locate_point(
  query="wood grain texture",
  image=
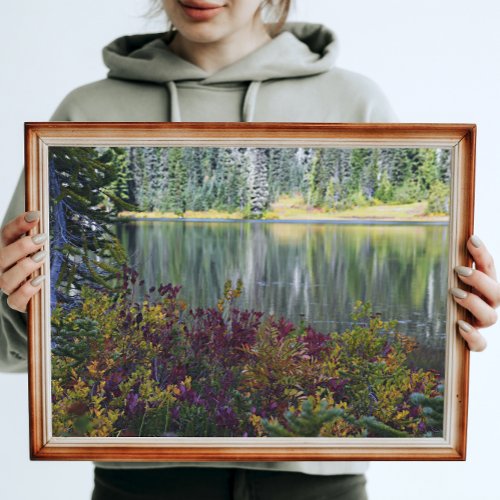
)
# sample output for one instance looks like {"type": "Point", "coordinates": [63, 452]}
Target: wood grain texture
{"type": "Point", "coordinates": [460, 137]}
{"type": "Point", "coordinates": [259, 454]}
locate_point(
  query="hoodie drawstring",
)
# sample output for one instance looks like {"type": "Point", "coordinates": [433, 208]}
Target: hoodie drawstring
{"type": "Point", "coordinates": [248, 108]}
{"type": "Point", "coordinates": [250, 101]}
{"type": "Point", "coordinates": [175, 111]}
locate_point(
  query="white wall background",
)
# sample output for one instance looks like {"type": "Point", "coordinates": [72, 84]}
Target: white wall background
{"type": "Point", "coordinates": [436, 61]}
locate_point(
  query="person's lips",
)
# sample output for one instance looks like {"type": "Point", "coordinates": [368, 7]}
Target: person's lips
{"type": "Point", "coordinates": [199, 10]}
{"type": "Point", "coordinates": [196, 4]}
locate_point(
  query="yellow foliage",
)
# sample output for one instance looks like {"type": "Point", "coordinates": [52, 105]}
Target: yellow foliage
{"type": "Point", "coordinates": [256, 422]}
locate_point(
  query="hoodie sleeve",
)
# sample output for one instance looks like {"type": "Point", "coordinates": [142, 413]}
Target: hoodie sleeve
{"type": "Point", "coordinates": [13, 330]}
{"type": "Point", "coordinates": [67, 110]}
{"type": "Point", "coordinates": [378, 108]}
{"type": "Point", "coordinates": [13, 324]}
{"type": "Point", "coordinates": [366, 100]}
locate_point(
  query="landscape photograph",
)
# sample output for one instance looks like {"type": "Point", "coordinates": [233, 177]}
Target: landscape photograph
{"type": "Point", "coordinates": [252, 292]}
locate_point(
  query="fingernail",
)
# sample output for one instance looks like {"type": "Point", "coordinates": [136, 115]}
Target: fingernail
{"type": "Point", "coordinates": [463, 325]}
{"type": "Point", "coordinates": [464, 271]}
{"type": "Point", "coordinates": [39, 256]}
{"type": "Point", "coordinates": [475, 241]}
{"type": "Point", "coordinates": [32, 216]}
{"type": "Point", "coordinates": [39, 238]}
{"type": "Point", "coordinates": [459, 293]}
{"type": "Point", "coordinates": [36, 281]}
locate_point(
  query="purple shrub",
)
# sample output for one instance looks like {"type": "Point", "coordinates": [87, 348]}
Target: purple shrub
{"type": "Point", "coordinates": [225, 368]}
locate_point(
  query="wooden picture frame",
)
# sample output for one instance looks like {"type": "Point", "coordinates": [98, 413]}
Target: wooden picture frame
{"type": "Point", "coordinates": [45, 444]}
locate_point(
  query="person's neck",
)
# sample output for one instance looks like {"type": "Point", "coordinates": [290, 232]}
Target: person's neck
{"type": "Point", "coordinates": [213, 56]}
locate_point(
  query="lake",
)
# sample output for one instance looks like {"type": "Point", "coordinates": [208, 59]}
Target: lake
{"type": "Point", "coordinates": [313, 272]}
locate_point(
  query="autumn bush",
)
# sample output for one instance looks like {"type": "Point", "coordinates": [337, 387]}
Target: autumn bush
{"type": "Point", "coordinates": [156, 367]}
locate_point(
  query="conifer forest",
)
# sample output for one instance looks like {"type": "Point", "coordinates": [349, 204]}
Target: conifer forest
{"type": "Point", "coordinates": [248, 292]}
{"type": "Point", "coordinates": [250, 180]}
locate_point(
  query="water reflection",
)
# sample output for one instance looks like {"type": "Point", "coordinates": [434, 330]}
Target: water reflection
{"type": "Point", "coordinates": [314, 272]}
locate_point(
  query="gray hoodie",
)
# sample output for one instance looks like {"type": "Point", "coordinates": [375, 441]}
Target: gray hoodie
{"type": "Point", "coordinates": [292, 78]}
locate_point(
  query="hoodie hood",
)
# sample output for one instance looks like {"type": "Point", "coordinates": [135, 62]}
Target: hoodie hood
{"type": "Point", "coordinates": [300, 49]}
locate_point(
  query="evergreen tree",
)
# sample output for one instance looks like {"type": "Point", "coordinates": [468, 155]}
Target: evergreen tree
{"type": "Point", "coordinates": [137, 171]}
{"type": "Point", "coordinates": [405, 164]}
{"type": "Point", "coordinates": [428, 172]}
{"type": "Point", "coordinates": [370, 173]}
{"type": "Point", "coordinates": [344, 173]}
{"type": "Point", "coordinates": [152, 164]}
{"type": "Point", "coordinates": [288, 160]}
{"type": "Point", "coordinates": [84, 250]}
{"type": "Point", "coordinates": [439, 198]}
{"type": "Point", "coordinates": [386, 162]}
{"type": "Point", "coordinates": [274, 172]}
{"type": "Point", "coordinates": [384, 191]}
{"type": "Point", "coordinates": [119, 158]}
{"type": "Point", "coordinates": [304, 165]}
{"type": "Point", "coordinates": [177, 182]}
{"type": "Point", "coordinates": [330, 195]}
{"type": "Point", "coordinates": [356, 168]}
{"type": "Point", "coordinates": [208, 164]}
{"type": "Point", "coordinates": [245, 162]}
{"type": "Point", "coordinates": [316, 190]}
{"type": "Point", "coordinates": [296, 171]}
{"type": "Point", "coordinates": [331, 162]}
{"type": "Point", "coordinates": [193, 170]}
{"type": "Point", "coordinates": [258, 183]}
{"type": "Point", "coordinates": [146, 174]}
{"type": "Point", "coordinates": [163, 167]}
{"type": "Point", "coordinates": [229, 184]}
{"type": "Point", "coordinates": [443, 157]}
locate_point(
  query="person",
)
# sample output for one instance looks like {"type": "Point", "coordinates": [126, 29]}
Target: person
{"type": "Point", "coordinates": [219, 61]}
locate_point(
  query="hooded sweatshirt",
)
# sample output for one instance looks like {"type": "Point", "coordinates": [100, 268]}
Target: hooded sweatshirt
{"type": "Point", "coordinates": [291, 78]}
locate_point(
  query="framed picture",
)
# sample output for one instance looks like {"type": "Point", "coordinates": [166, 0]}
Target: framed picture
{"type": "Point", "coordinates": [249, 291]}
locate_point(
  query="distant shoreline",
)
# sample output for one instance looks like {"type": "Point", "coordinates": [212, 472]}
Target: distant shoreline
{"type": "Point", "coordinates": [413, 213]}
{"type": "Point", "coordinates": [344, 221]}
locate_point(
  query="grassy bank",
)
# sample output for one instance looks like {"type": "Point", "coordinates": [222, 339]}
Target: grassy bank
{"type": "Point", "coordinates": [293, 208]}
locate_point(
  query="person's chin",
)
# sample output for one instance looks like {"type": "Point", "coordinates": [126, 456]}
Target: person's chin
{"type": "Point", "coordinates": [201, 34]}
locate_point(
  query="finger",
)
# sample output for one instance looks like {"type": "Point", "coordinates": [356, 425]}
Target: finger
{"type": "Point", "coordinates": [22, 247]}
{"type": "Point", "coordinates": [15, 276]}
{"type": "Point", "coordinates": [20, 298]}
{"type": "Point", "coordinates": [18, 226]}
{"type": "Point", "coordinates": [486, 286]}
{"type": "Point", "coordinates": [472, 336]}
{"type": "Point", "coordinates": [482, 258]}
{"type": "Point", "coordinates": [484, 314]}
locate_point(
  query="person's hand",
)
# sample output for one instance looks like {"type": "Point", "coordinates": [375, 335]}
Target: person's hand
{"type": "Point", "coordinates": [484, 298]}
{"type": "Point", "coordinates": [20, 256]}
